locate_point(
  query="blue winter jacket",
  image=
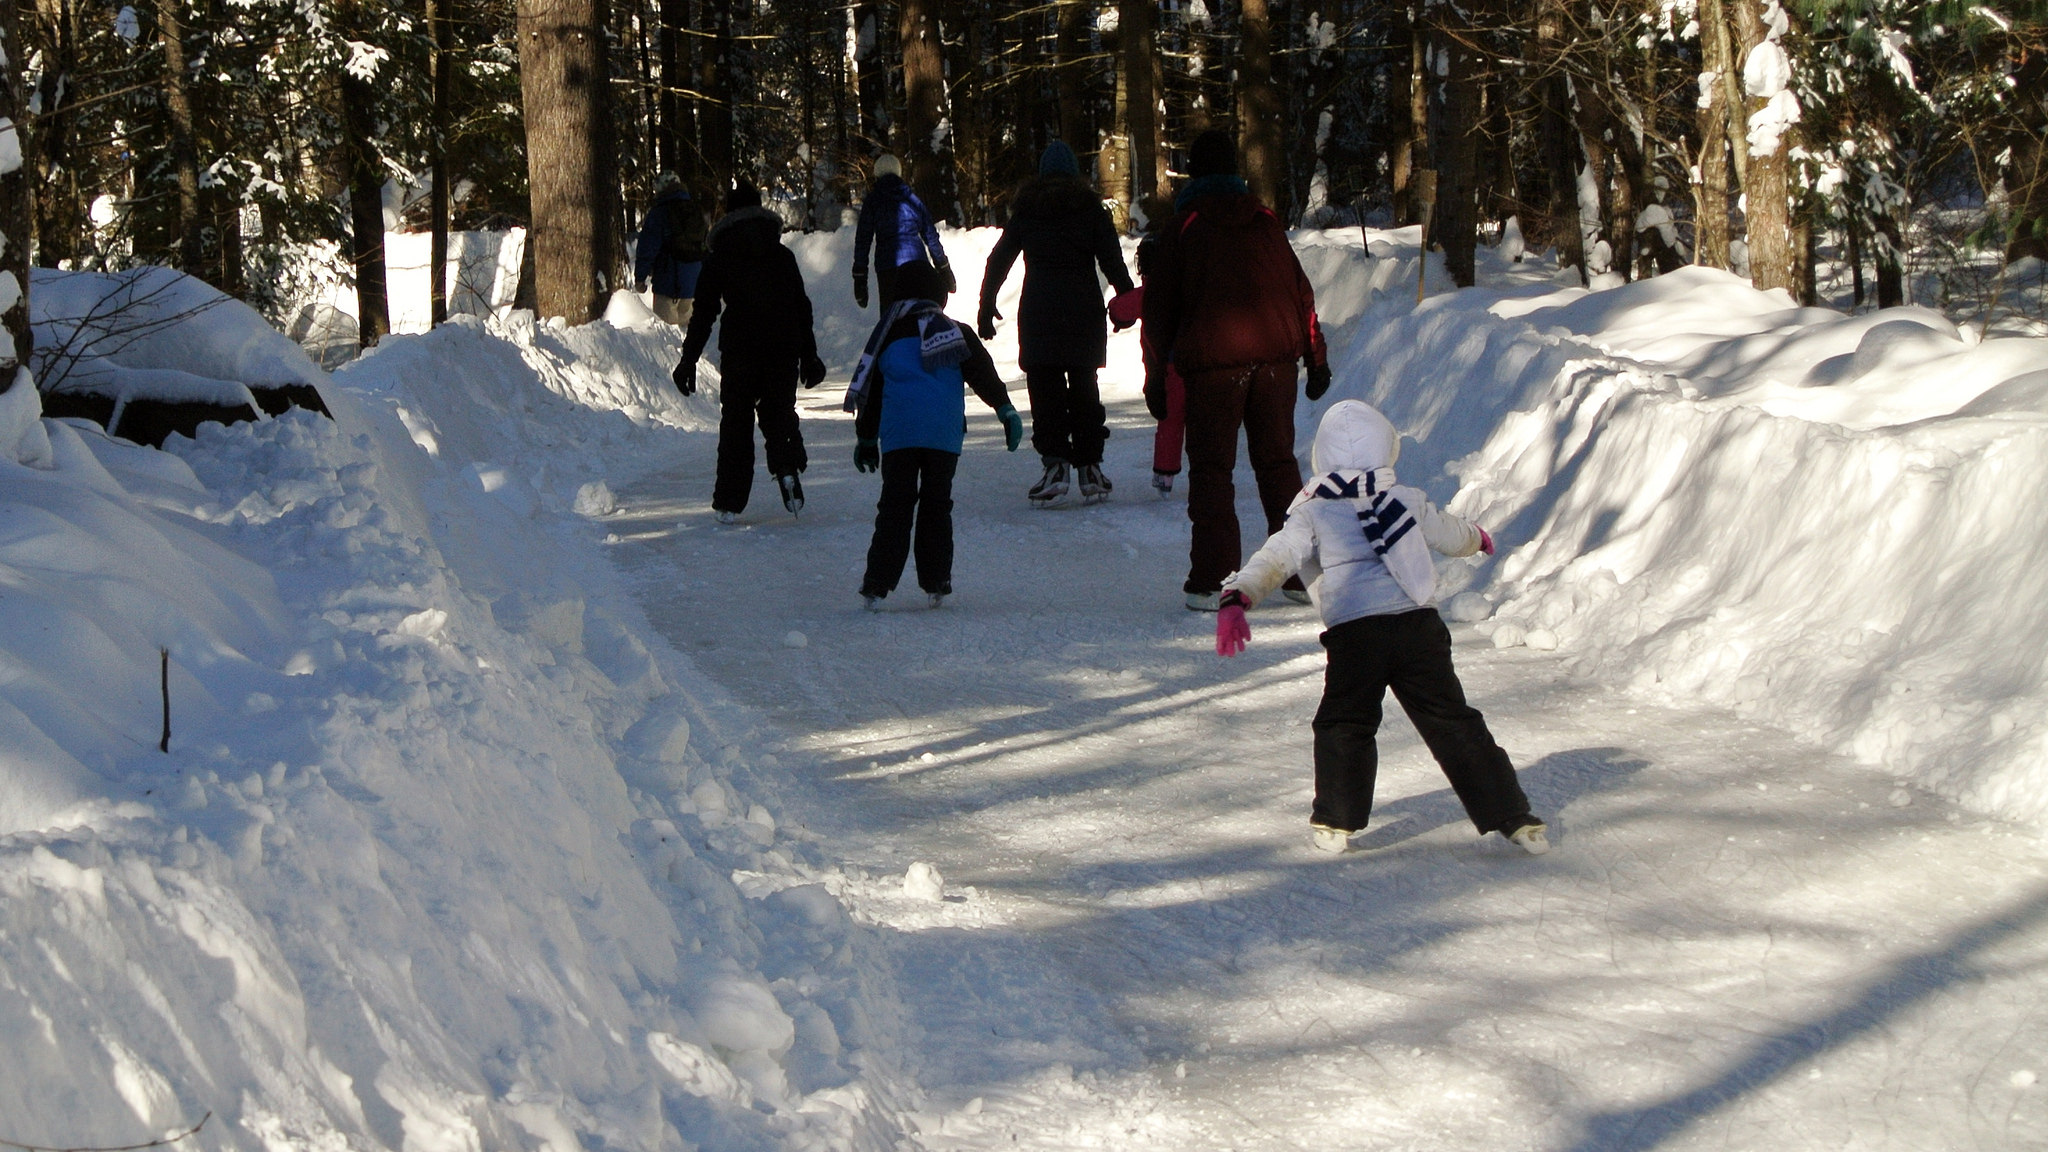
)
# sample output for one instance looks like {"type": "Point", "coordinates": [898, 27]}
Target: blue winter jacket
{"type": "Point", "coordinates": [907, 405]}
{"type": "Point", "coordinates": [895, 221]}
{"type": "Point", "coordinates": [671, 278]}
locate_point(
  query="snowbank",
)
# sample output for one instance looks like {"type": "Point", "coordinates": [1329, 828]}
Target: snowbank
{"type": "Point", "coordinates": [1826, 522]}
{"type": "Point", "coordinates": [442, 854]}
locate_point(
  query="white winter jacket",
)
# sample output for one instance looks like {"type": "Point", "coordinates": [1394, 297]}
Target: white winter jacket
{"type": "Point", "coordinates": [1325, 538]}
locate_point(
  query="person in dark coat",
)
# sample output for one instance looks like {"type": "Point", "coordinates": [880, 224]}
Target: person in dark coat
{"type": "Point", "coordinates": [910, 423]}
{"type": "Point", "coordinates": [1233, 312]}
{"type": "Point", "coordinates": [670, 251]}
{"type": "Point", "coordinates": [764, 344]}
{"type": "Point", "coordinates": [897, 225]}
{"type": "Point", "coordinates": [1064, 234]}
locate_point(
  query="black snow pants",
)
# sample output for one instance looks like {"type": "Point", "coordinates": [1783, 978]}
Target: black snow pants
{"type": "Point", "coordinates": [747, 392]}
{"type": "Point", "coordinates": [1411, 653]}
{"type": "Point", "coordinates": [1067, 420]}
{"type": "Point", "coordinates": [917, 486]}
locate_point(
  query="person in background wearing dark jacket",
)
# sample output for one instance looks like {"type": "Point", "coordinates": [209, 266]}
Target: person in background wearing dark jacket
{"type": "Point", "coordinates": [1233, 312]}
{"type": "Point", "coordinates": [670, 250]}
{"type": "Point", "coordinates": [910, 423]}
{"type": "Point", "coordinates": [1061, 229]}
{"type": "Point", "coordinates": [764, 344]}
{"type": "Point", "coordinates": [899, 228]}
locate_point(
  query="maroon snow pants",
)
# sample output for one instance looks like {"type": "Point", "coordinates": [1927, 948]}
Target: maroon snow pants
{"type": "Point", "coordinates": [1260, 400]}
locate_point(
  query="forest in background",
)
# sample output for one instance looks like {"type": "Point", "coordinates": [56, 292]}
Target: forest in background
{"type": "Point", "coordinates": [1631, 136]}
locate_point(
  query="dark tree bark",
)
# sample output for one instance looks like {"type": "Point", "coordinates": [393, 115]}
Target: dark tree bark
{"type": "Point", "coordinates": [1454, 142]}
{"type": "Point", "coordinates": [715, 81]}
{"type": "Point", "coordinates": [442, 29]}
{"type": "Point", "coordinates": [1766, 187]}
{"type": "Point", "coordinates": [16, 341]}
{"type": "Point", "coordinates": [563, 82]}
{"type": "Point", "coordinates": [925, 167]}
{"type": "Point", "coordinates": [871, 81]}
{"type": "Point", "coordinates": [170, 25]}
{"type": "Point", "coordinates": [1070, 44]}
{"type": "Point", "coordinates": [1710, 192]}
{"type": "Point", "coordinates": [1558, 135]}
{"type": "Point", "coordinates": [1136, 23]}
{"type": "Point", "coordinates": [1259, 114]}
{"type": "Point", "coordinates": [366, 208]}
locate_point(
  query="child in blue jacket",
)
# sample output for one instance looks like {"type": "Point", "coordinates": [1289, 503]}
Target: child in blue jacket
{"type": "Point", "coordinates": [911, 422]}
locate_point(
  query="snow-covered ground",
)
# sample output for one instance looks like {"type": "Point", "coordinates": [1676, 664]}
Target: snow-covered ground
{"type": "Point", "coordinates": [511, 803]}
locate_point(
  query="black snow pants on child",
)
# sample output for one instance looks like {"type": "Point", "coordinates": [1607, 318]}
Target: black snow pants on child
{"type": "Point", "coordinates": [747, 392]}
{"type": "Point", "coordinates": [917, 486]}
{"type": "Point", "coordinates": [1409, 652]}
{"type": "Point", "coordinates": [1067, 419]}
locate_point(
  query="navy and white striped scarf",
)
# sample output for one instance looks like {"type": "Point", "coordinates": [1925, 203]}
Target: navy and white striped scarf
{"type": "Point", "coordinates": [1388, 526]}
{"type": "Point", "coordinates": [941, 343]}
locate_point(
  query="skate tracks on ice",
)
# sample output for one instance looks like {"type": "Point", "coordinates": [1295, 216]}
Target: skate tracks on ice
{"type": "Point", "coordinates": [1738, 941]}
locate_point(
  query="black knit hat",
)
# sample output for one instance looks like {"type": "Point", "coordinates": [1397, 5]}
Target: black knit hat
{"type": "Point", "coordinates": [743, 195]}
{"type": "Point", "coordinates": [918, 280]}
{"type": "Point", "coordinates": [1213, 153]}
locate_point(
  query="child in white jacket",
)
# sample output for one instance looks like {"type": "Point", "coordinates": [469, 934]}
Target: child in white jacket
{"type": "Point", "coordinates": [1362, 543]}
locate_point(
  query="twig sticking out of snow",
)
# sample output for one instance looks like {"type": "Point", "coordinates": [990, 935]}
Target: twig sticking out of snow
{"type": "Point", "coordinates": [156, 1143]}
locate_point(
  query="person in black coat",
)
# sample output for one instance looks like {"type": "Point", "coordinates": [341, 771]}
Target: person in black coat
{"type": "Point", "coordinates": [763, 345]}
{"type": "Point", "coordinates": [1061, 229]}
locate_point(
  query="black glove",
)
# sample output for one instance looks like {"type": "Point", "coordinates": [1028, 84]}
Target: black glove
{"type": "Point", "coordinates": [1318, 380]}
{"type": "Point", "coordinates": [860, 290]}
{"type": "Point", "coordinates": [1155, 396]}
{"type": "Point", "coordinates": [952, 285]}
{"type": "Point", "coordinates": [867, 456]}
{"type": "Point", "coordinates": [987, 328]}
{"type": "Point", "coordinates": [813, 372]}
{"type": "Point", "coordinates": [686, 377]}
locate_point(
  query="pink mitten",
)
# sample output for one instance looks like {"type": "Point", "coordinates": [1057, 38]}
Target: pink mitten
{"type": "Point", "coordinates": [1233, 631]}
{"type": "Point", "coordinates": [1485, 542]}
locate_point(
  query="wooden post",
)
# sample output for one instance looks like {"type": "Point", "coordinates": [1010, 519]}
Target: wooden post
{"type": "Point", "coordinates": [1422, 186]}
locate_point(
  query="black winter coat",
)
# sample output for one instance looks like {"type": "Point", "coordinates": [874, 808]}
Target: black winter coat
{"type": "Point", "coordinates": [753, 280]}
{"type": "Point", "coordinates": [1061, 229]}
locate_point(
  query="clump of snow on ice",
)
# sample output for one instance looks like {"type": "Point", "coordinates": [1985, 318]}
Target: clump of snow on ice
{"type": "Point", "coordinates": [921, 881]}
{"type": "Point", "coordinates": [795, 639]}
{"type": "Point", "coordinates": [595, 499]}
{"type": "Point", "coordinates": [2024, 1078]}
{"type": "Point", "coordinates": [1468, 608]}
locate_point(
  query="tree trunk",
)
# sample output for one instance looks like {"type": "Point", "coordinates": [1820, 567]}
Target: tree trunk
{"type": "Point", "coordinates": [366, 208]}
{"type": "Point", "coordinates": [715, 81]}
{"type": "Point", "coordinates": [170, 23]}
{"type": "Point", "coordinates": [1070, 44]}
{"type": "Point", "coordinates": [16, 340]}
{"type": "Point", "coordinates": [968, 98]}
{"type": "Point", "coordinates": [871, 82]}
{"type": "Point", "coordinates": [1454, 144]}
{"type": "Point", "coordinates": [1767, 191]}
{"type": "Point", "coordinates": [670, 52]}
{"type": "Point", "coordinates": [1136, 20]}
{"type": "Point", "coordinates": [563, 85]}
{"type": "Point", "coordinates": [1258, 107]}
{"type": "Point", "coordinates": [1710, 189]}
{"type": "Point", "coordinates": [926, 164]}
{"type": "Point", "coordinates": [442, 29]}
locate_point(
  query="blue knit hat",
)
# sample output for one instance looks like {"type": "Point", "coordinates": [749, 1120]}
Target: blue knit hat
{"type": "Point", "coordinates": [1058, 160]}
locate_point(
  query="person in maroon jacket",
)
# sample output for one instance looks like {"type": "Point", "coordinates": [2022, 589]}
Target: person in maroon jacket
{"type": "Point", "coordinates": [1235, 312]}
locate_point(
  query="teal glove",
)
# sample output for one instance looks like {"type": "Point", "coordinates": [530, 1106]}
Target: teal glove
{"type": "Point", "coordinates": [1013, 426]}
{"type": "Point", "coordinates": [867, 456]}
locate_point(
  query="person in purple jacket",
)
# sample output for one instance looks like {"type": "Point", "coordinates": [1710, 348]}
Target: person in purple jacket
{"type": "Point", "coordinates": [898, 226]}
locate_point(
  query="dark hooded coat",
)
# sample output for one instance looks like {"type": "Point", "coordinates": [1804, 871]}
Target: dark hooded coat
{"type": "Point", "coordinates": [1059, 226]}
{"type": "Point", "coordinates": [1225, 290]}
{"type": "Point", "coordinates": [754, 282]}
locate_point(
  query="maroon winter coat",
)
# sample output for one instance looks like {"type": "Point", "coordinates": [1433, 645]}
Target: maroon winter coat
{"type": "Point", "coordinates": [1228, 291]}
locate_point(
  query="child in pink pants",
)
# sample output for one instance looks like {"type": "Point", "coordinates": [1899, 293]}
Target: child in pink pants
{"type": "Point", "coordinates": [1172, 408]}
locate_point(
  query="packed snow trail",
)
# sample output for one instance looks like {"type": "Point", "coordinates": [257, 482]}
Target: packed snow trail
{"type": "Point", "coordinates": [1738, 942]}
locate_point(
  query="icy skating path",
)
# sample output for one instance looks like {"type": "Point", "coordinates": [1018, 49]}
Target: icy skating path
{"type": "Point", "coordinates": [1739, 942]}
